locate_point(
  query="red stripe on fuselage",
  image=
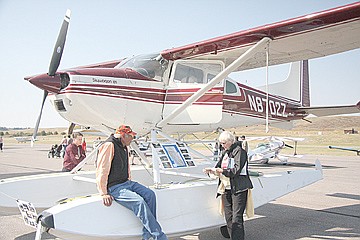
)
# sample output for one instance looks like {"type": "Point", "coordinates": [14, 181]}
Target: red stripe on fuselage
{"type": "Point", "coordinates": [144, 94]}
{"type": "Point", "coordinates": [238, 104]}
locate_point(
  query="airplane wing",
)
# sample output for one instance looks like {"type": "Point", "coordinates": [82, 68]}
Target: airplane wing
{"type": "Point", "coordinates": [346, 149]}
{"type": "Point", "coordinates": [269, 138]}
{"type": "Point", "coordinates": [290, 156]}
{"type": "Point", "coordinates": [260, 138]}
{"type": "Point", "coordinates": [330, 110]}
{"type": "Point", "coordinates": [23, 139]}
{"type": "Point", "coordinates": [290, 139]}
{"type": "Point", "coordinates": [311, 36]}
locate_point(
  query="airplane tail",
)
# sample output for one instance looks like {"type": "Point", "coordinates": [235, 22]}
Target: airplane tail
{"type": "Point", "coordinates": [295, 86]}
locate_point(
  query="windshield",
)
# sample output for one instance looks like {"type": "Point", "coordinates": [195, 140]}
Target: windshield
{"type": "Point", "coordinates": [150, 65]}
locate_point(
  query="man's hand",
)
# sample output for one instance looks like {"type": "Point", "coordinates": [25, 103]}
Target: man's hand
{"type": "Point", "coordinates": [107, 199]}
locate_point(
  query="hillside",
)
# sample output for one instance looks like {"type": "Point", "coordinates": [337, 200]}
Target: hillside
{"type": "Point", "coordinates": [329, 123]}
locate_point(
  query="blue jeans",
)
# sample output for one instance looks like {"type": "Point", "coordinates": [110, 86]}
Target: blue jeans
{"type": "Point", "coordinates": [142, 201]}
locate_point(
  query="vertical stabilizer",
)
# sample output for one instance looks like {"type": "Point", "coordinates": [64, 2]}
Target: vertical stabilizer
{"type": "Point", "coordinates": [295, 86]}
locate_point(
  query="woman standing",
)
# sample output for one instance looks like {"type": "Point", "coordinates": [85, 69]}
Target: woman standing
{"type": "Point", "coordinates": [234, 183]}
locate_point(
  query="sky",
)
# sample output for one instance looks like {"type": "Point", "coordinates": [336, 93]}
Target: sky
{"type": "Point", "coordinates": [107, 30]}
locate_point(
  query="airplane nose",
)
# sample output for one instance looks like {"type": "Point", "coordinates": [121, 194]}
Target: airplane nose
{"type": "Point", "coordinates": [45, 82]}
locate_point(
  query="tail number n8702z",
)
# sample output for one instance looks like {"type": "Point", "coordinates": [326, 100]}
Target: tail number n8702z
{"type": "Point", "coordinates": [258, 104]}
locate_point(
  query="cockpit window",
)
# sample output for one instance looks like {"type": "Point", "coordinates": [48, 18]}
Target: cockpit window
{"type": "Point", "coordinates": [200, 73]}
{"type": "Point", "coordinates": [150, 65]}
{"type": "Point", "coordinates": [185, 74]}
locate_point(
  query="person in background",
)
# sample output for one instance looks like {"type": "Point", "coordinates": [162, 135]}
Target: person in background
{"type": "Point", "coordinates": [244, 144]}
{"type": "Point", "coordinates": [83, 144]}
{"type": "Point", "coordinates": [114, 182]}
{"type": "Point", "coordinates": [216, 150]}
{"type": "Point", "coordinates": [1, 143]}
{"type": "Point", "coordinates": [234, 183]}
{"type": "Point", "coordinates": [74, 153]}
{"type": "Point", "coordinates": [63, 145]}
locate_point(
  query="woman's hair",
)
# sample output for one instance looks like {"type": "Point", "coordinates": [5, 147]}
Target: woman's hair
{"type": "Point", "coordinates": [226, 136]}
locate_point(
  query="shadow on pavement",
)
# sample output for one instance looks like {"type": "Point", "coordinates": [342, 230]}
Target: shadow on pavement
{"type": "Point", "coordinates": [280, 222]}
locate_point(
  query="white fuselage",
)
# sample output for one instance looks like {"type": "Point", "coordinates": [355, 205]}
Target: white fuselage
{"type": "Point", "coordinates": [103, 103]}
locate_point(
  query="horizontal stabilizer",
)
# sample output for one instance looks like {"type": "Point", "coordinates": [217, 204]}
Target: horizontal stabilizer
{"type": "Point", "coordinates": [330, 110]}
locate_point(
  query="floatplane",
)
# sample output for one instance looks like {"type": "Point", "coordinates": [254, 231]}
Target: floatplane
{"type": "Point", "coordinates": [24, 139]}
{"type": "Point", "coordinates": [270, 149]}
{"type": "Point", "coordinates": [180, 90]}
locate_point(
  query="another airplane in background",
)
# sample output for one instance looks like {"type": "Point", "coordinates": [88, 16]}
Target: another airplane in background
{"type": "Point", "coordinates": [266, 151]}
{"type": "Point", "coordinates": [24, 139]}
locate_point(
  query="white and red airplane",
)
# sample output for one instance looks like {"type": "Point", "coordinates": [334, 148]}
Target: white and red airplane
{"type": "Point", "coordinates": [187, 89]}
{"type": "Point", "coordinates": [182, 90]}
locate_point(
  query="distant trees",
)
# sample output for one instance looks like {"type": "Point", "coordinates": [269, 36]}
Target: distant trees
{"type": "Point", "coordinates": [22, 134]}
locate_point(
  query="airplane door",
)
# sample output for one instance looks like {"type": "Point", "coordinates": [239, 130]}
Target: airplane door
{"type": "Point", "coordinates": [186, 79]}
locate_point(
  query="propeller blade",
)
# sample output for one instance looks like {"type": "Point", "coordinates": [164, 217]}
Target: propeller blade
{"type": "Point", "coordinates": [59, 46]}
{"type": "Point", "coordinates": [286, 145]}
{"type": "Point", "coordinates": [39, 118]}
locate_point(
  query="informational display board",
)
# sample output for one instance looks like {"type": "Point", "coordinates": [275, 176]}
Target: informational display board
{"type": "Point", "coordinates": [173, 155]}
{"type": "Point", "coordinates": [28, 213]}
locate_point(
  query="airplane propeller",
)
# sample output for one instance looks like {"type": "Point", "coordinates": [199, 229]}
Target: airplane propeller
{"type": "Point", "coordinates": [54, 64]}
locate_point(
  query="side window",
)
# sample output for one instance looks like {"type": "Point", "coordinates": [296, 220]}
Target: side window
{"type": "Point", "coordinates": [230, 88]}
{"type": "Point", "coordinates": [209, 77]}
{"type": "Point", "coordinates": [186, 74]}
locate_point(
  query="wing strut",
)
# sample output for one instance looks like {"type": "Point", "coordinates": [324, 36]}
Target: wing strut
{"type": "Point", "coordinates": [217, 79]}
{"type": "Point", "coordinates": [267, 89]}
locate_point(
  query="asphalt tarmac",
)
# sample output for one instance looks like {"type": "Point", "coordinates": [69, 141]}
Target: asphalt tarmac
{"type": "Point", "coordinates": [328, 209]}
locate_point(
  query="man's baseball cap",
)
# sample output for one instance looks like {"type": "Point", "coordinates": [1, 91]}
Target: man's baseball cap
{"type": "Point", "coordinates": [125, 129]}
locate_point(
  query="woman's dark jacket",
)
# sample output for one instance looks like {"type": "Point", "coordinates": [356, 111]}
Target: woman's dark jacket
{"type": "Point", "coordinates": [238, 182]}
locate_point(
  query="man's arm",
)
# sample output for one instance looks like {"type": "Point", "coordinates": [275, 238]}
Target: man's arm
{"type": "Point", "coordinates": [106, 154]}
{"type": "Point", "coordinates": [82, 154]}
